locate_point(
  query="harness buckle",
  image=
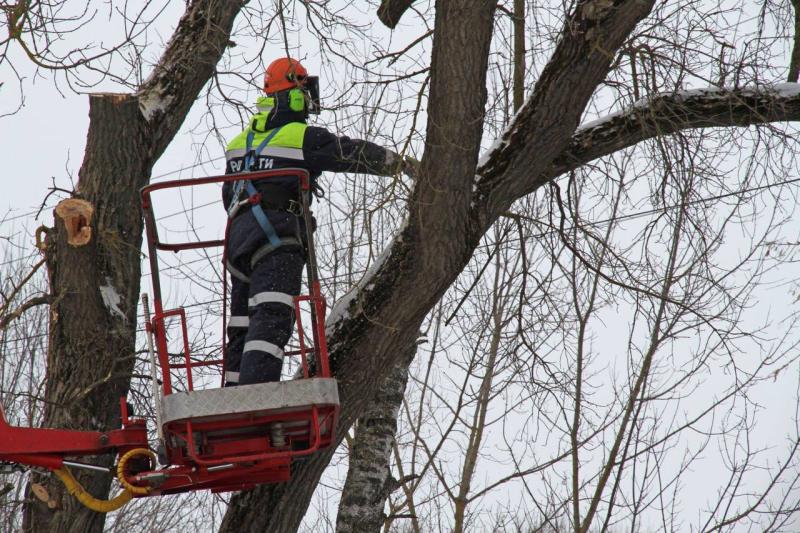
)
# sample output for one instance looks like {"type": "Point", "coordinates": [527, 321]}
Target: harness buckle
{"type": "Point", "coordinates": [254, 199]}
{"type": "Point", "coordinates": [235, 206]}
{"type": "Point", "coordinates": [295, 208]}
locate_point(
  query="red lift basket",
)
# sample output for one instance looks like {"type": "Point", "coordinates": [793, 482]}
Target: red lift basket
{"type": "Point", "coordinates": [221, 439]}
{"type": "Point", "coordinates": [237, 437]}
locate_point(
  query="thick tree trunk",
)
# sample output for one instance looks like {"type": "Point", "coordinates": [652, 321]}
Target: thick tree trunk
{"type": "Point", "coordinates": [369, 481]}
{"type": "Point", "coordinates": [95, 286]}
{"type": "Point", "coordinates": [95, 289]}
{"type": "Point", "coordinates": [423, 261]}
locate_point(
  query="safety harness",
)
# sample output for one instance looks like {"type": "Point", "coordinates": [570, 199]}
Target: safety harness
{"type": "Point", "coordinates": [253, 196]}
{"type": "Point", "coordinates": [254, 200]}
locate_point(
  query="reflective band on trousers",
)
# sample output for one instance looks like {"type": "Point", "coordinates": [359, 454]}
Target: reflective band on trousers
{"type": "Point", "coordinates": [271, 297]}
{"type": "Point", "coordinates": [231, 377]}
{"type": "Point", "coordinates": [263, 346]}
{"type": "Point", "coordinates": [238, 322]}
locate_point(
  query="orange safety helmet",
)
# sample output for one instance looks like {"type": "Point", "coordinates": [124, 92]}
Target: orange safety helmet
{"type": "Point", "coordinates": [284, 74]}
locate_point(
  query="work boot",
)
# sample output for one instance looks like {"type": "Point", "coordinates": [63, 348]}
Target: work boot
{"type": "Point", "coordinates": [276, 435]}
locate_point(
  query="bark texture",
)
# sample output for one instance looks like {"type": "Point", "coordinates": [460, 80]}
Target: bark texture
{"type": "Point", "coordinates": [95, 286]}
{"type": "Point", "coordinates": [369, 481]}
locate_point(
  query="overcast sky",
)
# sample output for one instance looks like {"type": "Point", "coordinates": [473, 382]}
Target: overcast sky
{"type": "Point", "coordinates": [45, 139]}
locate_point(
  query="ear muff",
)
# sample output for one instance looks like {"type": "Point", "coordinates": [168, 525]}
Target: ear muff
{"type": "Point", "coordinates": [297, 100]}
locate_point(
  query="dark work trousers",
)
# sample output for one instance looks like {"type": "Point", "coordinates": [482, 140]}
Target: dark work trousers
{"type": "Point", "coordinates": [262, 309]}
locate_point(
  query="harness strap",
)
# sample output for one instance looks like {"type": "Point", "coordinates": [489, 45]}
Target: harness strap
{"type": "Point", "coordinates": [237, 274]}
{"type": "Point", "coordinates": [267, 249]}
{"type": "Point", "coordinates": [254, 198]}
{"type": "Point", "coordinates": [235, 203]}
{"type": "Point", "coordinates": [261, 217]}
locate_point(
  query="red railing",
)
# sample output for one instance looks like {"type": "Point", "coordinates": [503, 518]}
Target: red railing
{"type": "Point", "coordinates": [218, 453]}
{"type": "Point", "coordinates": [320, 422]}
{"type": "Point", "coordinates": [158, 325]}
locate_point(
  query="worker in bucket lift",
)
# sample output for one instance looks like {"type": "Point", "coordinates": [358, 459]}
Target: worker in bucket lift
{"type": "Point", "coordinates": [266, 246]}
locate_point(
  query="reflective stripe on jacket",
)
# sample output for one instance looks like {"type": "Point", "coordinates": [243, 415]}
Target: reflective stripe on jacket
{"type": "Point", "coordinates": [297, 145]}
{"type": "Point", "coordinates": [287, 144]}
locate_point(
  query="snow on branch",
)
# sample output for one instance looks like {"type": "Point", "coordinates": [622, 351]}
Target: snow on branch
{"type": "Point", "coordinates": [699, 97]}
{"type": "Point", "coordinates": [342, 309]}
{"type": "Point", "coordinates": [663, 114]}
{"type": "Point", "coordinates": [188, 62]}
{"type": "Point", "coordinates": [669, 113]}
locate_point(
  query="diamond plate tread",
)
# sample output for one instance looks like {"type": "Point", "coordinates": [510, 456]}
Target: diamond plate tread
{"type": "Point", "coordinates": [280, 396]}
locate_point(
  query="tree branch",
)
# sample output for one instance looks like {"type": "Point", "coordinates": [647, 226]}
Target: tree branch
{"type": "Point", "coordinates": [670, 113]}
{"type": "Point", "coordinates": [544, 125]}
{"type": "Point", "coordinates": [7, 299]}
{"type": "Point", "coordinates": [390, 11]}
{"type": "Point", "coordinates": [187, 64]}
{"type": "Point", "coordinates": [6, 319]}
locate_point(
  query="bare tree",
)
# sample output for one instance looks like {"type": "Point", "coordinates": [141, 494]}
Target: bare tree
{"type": "Point", "coordinates": [95, 282]}
{"type": "Point", "coordinates": [450, 209]}
{"type": "Point", "coordinates": [626, 62]}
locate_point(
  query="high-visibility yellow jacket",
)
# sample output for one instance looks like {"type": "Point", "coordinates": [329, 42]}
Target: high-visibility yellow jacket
{"type": "Point", "coordinates": [298, 145]}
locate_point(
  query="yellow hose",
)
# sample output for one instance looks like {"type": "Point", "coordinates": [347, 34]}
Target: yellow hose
{"type": "Point", "coordinates": [95, 504]}
{"type": "Point", "coordinates": [133, 489]}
